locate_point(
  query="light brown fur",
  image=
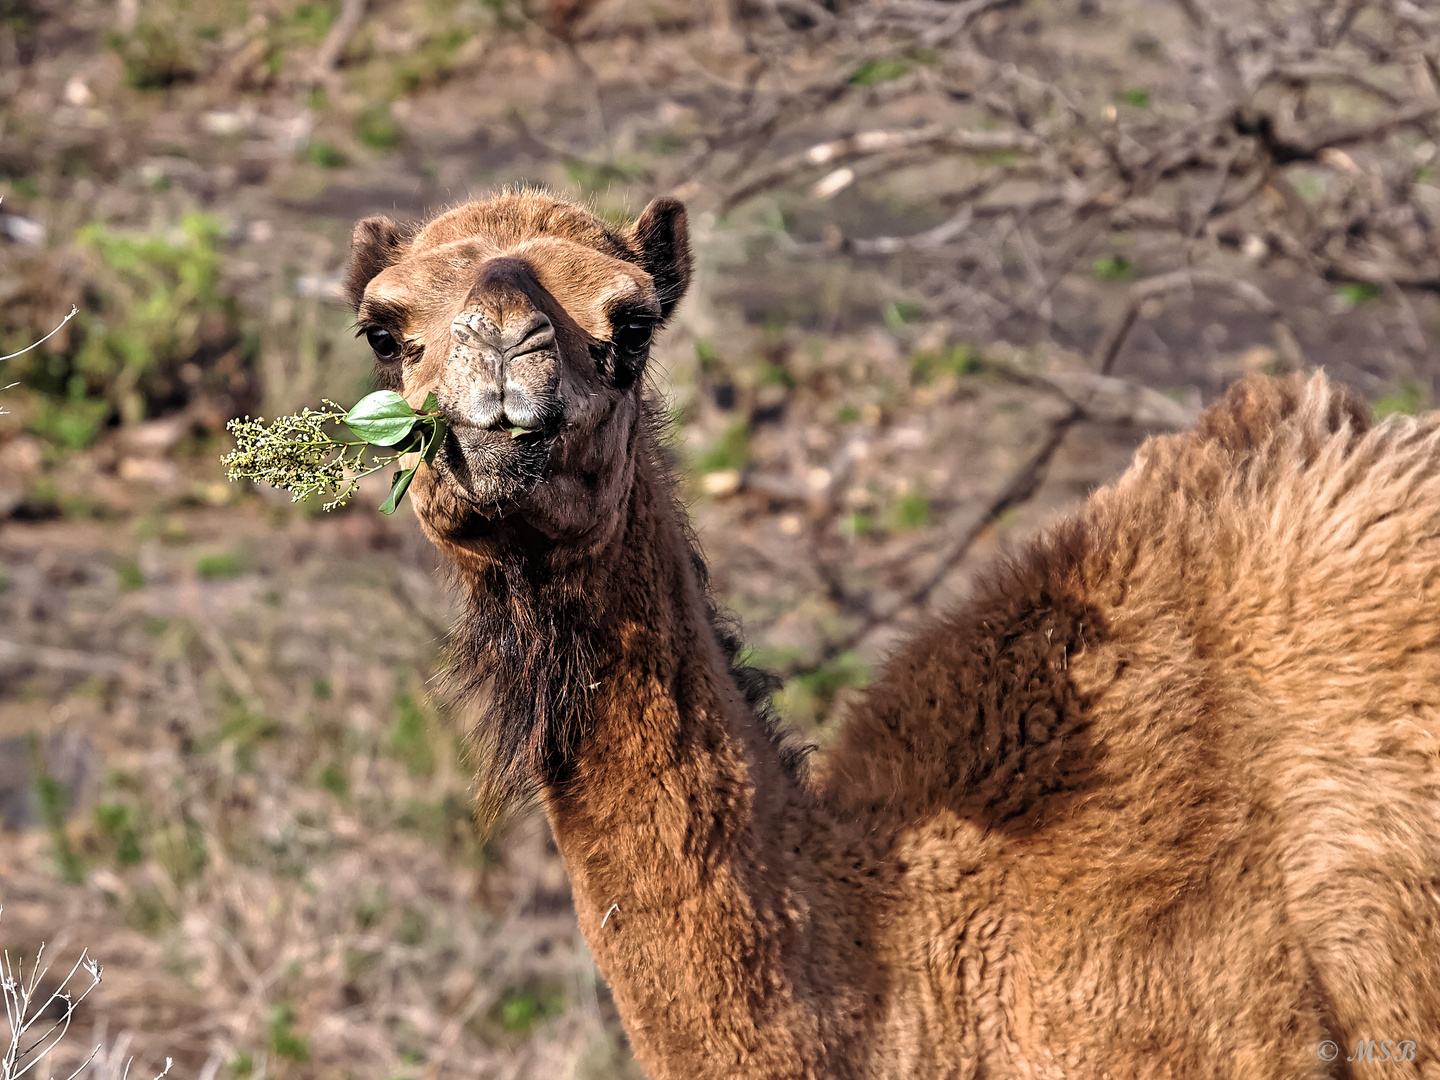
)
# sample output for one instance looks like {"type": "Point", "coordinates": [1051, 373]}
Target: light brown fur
{"type": "Point", "coordinates": [1161, 800]}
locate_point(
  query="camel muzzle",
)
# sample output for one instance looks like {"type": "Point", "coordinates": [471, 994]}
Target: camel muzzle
{"type": "Point", "coordinates": [503, 374]}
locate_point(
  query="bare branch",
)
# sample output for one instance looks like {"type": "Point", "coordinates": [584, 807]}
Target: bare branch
{"type": "Point", "coordinates": [338, 36]}
{"type": "Point", "coordinates": [73, 312]}
{"type": "Point", "coordinates": [1017, 490]}
{"type": "Point", "coordinates": [1110, 345]}
{"type": "Point", "coordinates": [870, 143]}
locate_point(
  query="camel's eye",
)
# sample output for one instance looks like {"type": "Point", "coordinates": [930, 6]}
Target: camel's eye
{"type": "Point", "coordinates": [631, 337]}
{"type": "Point", "coordinates": [383, 342]}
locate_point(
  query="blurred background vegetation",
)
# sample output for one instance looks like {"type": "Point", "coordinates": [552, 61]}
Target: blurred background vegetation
{"type": "Point", "coordinates": [956, 260]}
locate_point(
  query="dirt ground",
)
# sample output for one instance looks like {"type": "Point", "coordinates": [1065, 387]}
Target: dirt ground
{"type": "Point", "coordinates": [224, 765]}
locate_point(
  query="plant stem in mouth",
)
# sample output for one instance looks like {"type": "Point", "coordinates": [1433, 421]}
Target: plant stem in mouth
{"type": "Point", "coordinates": [298, 454]}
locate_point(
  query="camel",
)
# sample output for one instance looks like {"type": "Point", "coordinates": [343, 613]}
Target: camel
{"type": "Point", "coordinates": [1161, 799]}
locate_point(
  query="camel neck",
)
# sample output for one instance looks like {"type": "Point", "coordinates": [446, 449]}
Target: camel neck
{"type": "Point", "coordinates": [680, 828]}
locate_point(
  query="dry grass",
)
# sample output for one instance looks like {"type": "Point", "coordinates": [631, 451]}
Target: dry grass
{"type": "Point", "coordinates": [274, 847]}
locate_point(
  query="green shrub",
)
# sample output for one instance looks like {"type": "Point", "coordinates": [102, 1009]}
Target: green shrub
{"type": "Point", "coordinates": [522, 1009]}
{"type": "Point", "coordinates": [377, 129]}
{"type": "Point", "coordinates": [1354, 293]}
{"type": "Point", "coordinates": [413, 928]}
{"type": "Point", "coordinates": [812, 694]}
{"type": "Point", "coordinates": [410, 739]}
{"type": "Point", "coordinates": [155, 326]}
{"type": "Point", "coordinates": [898, 315]}
{"type": "Point", "coordinates": [592, 177]}
{"type": "Point", "coordinates": [372, 908]}
{"type": "Point", "coordinates": [130, 575]}
{"type": "Point", "coordinates": [224, 564]}
{"type": "Point", "coordinates": [113, 821]}
{"type": "Point", "coordinates": [181, 850]}
{"type": "Point", "coordinates": [71, 420]}
{"type": "Point", "coordinates": [1406, 400]}
{"type": "Point", "coordinates": [732, 451]}
{"type": "Point", "coordinates": [858, 524]}
{"type": "Point", "coordinates": [311, 21]}
{"type": "Point", "coordinates": [55, 800]}
{"type": "Point", "coordinates": [874, 72]}
{"type": "Point", "coordinates": [154, 56]}
{"type": "Point", "coordinates": [706, 356]}
{"type": "Point", "coordinates": [432, 63]}
{"type": "Point", "coordinates": [285, 1042]}
{"type": "Point", "coordinates": [912, 511]}
{"type": "Point", "coordinates": [325, 154]}
{"type": "Point", "coordinates": [770, 374]}
{"type": "Point", "coordinates": [334, 780]}
{"type": "Point", "coordinates": [953, 360]}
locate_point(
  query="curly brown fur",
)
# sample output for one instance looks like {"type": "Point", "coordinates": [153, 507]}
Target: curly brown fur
{"type": "Point", "coordinates": [1161, 800]}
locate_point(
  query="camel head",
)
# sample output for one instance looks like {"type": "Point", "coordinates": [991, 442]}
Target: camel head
{"type": "Point", "coordinates": [531, 321]}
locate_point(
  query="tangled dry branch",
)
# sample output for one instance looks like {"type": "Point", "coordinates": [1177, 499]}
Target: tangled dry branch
{"type": "Point", "coordinates": [1295, 141]}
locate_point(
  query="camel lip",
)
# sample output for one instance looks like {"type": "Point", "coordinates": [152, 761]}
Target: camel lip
{"type": "Point", "coordinates": [473, 439]}
{"type": "Point", "coordinates": [506, 426]}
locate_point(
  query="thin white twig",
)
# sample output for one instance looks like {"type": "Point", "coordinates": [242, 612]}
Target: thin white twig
{"type": "Point", "coordinates": [84, 1064]}
{"type": "Point", "coordinates": [23, 1012]}
{"type": "Point", "coordinates": [73, 312]}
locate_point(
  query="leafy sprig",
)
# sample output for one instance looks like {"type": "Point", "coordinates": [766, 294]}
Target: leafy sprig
{"type": "Point", "coordinates": [299, 453]}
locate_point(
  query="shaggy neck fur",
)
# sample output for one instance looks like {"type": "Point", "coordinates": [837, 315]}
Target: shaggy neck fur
{"type": "Point", "coordinates": [617, 691]}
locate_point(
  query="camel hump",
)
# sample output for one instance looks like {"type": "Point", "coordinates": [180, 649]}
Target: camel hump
{"type": "Point", "coordinates": [1254, 408]}
{"type": "Point", "coordinates": [1250, 447]}
{"type": "Point", "coordinates": [1284, 497]}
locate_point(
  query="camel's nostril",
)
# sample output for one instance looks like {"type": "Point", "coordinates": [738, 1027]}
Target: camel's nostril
{"type": "Point", "coordinates": [475, 330]}
{"type": "Point", "coordinates": [539, 337]}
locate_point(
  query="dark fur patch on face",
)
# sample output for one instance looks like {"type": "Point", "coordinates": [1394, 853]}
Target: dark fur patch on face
{"type": "Point", "coordinates": [375, 244]}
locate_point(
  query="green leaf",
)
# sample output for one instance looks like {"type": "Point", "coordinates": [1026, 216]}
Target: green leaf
{"type": "Point", "coordinates": [1114, 268]}
{"type": "Point", "coordinates": [398, 487]}
{"type": "Point", "coordinates": [382, 418]}
{"type": "Point", "coordinates": [432, 403]}
{"type": "Point", "coordinates": [880, 70]}
{"type": "Point", "coordinates": [1354, 293]}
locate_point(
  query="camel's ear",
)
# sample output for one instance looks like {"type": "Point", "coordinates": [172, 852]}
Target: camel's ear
{"type": "Point", "coordinates": [663, 237]}
{"type": "Point", "coordinates": [374, 245]}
